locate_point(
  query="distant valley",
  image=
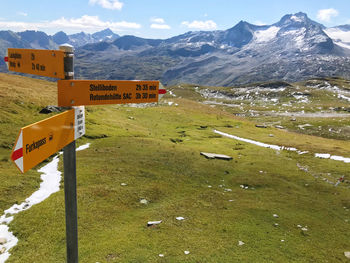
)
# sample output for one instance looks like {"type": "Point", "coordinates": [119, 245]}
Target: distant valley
{"type": "Point", "coordinates": [292, 49]}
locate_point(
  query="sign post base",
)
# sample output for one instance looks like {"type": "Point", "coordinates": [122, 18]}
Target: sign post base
{"type": "Point", "coordinates": [70, 192]}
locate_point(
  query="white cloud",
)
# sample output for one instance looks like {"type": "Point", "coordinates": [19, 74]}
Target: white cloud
{"type": "Point", "coordinates": [85, 23]}
{"type": "Point", "coordinates": [158, 20]}
{"type": "Point", "coordinates": [159, 23]}
{"type": "Point", "coordinates": [202, 25]}
{"type": "Point", "coordinates": [160, 26]}
{"type": "Point", "coordinates": [93, 23]}
{"type": "Point", "coordinates": [326, 14]}
{"type": "Point", "coordinates": [108, 4]}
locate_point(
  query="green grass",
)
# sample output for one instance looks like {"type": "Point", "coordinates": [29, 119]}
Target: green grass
{"type": "Point", "coordinates": [260, 107]}
{"type": "Point", "coordinates": [156, 152]}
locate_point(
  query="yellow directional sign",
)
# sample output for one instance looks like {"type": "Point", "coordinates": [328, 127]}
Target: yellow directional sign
{"type": "Point", "coordinates": [47, 63]}
{"type": "Point", "coordinates": [97, 92]}
{"type": "Point", "coordinates": [40, 140]}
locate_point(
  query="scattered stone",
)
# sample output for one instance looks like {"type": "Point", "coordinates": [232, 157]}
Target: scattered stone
{"type": "Point", "coordinates": [271, 135]}
{"type": "Point", "coordinates": [153, 223]}
{"type": "Point", "coordinates": [260, 126]}
{"type": "Point", "coordinates": [228, 190]}
{"type": "Point", "coordinates": [279, 127]}
{"type": "Point", "coordinates": [50, 109]}
{"type": "Point", "coordinates": [246, 187]}
{"type": "Point", "coordinates": [175, 140]}
{"type": "Point", "coordinates": [3, 241]}
{"type": "Point", "coordinates": [209, 186]}
{"type": "Point", "coordinates": [2, 250]}
{"type": "Point", "coordinates": [186, 252]}
{"type": "Point", "coordinates": [275, 224]}
{"type": "Point", "coordinates": [161, 255]}
{"type": "Point", "coordinates": [304, 229]}
{"type": "Point", "coordinates": [216, 156]}
{"type": "Point", "coordinates": [275, 216]}
{"type": "Point", "coordinates": [347, 254]}
{"type": "Point", "coordinates": [180, 218]}
{"type": "Point", "coordinates": [123, 184]}
{"type": "Point", "coordinates": [241, 186]}
{"type": "Point", "coordinates": [231, 200]}
{"type": "Point", "coordinates": [241, 243]}
{"type": "Point", "coordinates": [131, 118]}
{"type": "Point", "coordinates": [299, 226]}
{"type": "Point", "coordinates": [282, 240]}
{"type": "Point", "coordinates": [293, 119]}
{"type": "Point", "coordinates": [144, 201]}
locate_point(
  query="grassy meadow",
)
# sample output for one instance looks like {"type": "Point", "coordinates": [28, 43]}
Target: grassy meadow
{"type": "Point", "coordinates": [261, 197]}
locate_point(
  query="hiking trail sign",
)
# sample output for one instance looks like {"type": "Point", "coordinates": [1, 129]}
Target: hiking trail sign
{"type": "Point", "coordinates": [47, 63]}
{"type": "Point", "coordinates": [97, 92]}
{"type": "Point", "coordinates": [40, 140]}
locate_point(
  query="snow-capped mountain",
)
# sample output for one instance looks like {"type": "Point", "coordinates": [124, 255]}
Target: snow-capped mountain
{"type": "Point", "coordinates": [340, 35]}
{"type": "Point", "coordinates": [40, 40]}
{"type": "Point", "coordinates": [292, 49]}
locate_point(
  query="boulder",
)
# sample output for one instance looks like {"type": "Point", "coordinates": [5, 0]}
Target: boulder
{"type": "Point", "coordinates": [347, 254]}
{"type": "Point", "coordinates": [50, 109]}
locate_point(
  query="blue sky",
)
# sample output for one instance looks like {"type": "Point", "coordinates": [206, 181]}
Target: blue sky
{"type": "Point", "coordinates": [160, 18]}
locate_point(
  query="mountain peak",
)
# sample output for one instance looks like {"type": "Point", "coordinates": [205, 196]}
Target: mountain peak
{"type": "Point", "coordinates": [107, 31]}
{"type": "Point", "coordinates": [106, 34]}
{"type": "Point", "coordinates": [297, 18]}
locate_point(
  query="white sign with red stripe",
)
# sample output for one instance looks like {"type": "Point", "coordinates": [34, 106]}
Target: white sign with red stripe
{"type": "Point", "coordinates": [7, 59]}
{"type": "Point", "coordinates": [161, 91]}
{"type": "Point", "coordinates": [40, 140]}
{"type": "Point", "coordinates": [17, 154]}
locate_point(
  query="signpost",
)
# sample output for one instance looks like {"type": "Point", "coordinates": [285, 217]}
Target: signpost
{"type": "Point", "coordinates": [98, 92]}
{"type": "Point", "coordinates": [40, 140]}
{"type": "Point", "coordinates": [47, 63]}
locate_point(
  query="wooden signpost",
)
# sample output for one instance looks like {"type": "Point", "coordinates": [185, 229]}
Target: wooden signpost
{"type": "Point", "coordinates": [40, 140]}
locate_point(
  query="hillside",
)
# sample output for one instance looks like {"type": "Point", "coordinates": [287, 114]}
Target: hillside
{"type": "Point", "coordinates": [280, 203]}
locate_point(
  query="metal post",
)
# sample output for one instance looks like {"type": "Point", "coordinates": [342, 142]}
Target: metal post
{"type": "Point", "coordinates": [70, 181]}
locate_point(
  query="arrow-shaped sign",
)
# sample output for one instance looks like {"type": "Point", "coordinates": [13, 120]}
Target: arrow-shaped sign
{"type": "Point", "coordinates": [98, 92]}
{"type": "Point", "coordinates": [48, 63]}
{"type": "Point", "coordinates": [40, 140]}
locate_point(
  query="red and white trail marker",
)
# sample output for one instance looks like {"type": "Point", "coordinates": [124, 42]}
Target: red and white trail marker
{"type": "Point", "coordinates": [17, 154]}
{"type": "Point", "coordinates": [40, 140]}
{"type": "Point", "coordinates": [6, 58]}
{"type": "Point", "coordinates": [161, 91]}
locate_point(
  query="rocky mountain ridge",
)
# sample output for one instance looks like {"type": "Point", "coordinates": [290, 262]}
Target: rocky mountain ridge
{"type": "Point", "coordinates": [292, 49]}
